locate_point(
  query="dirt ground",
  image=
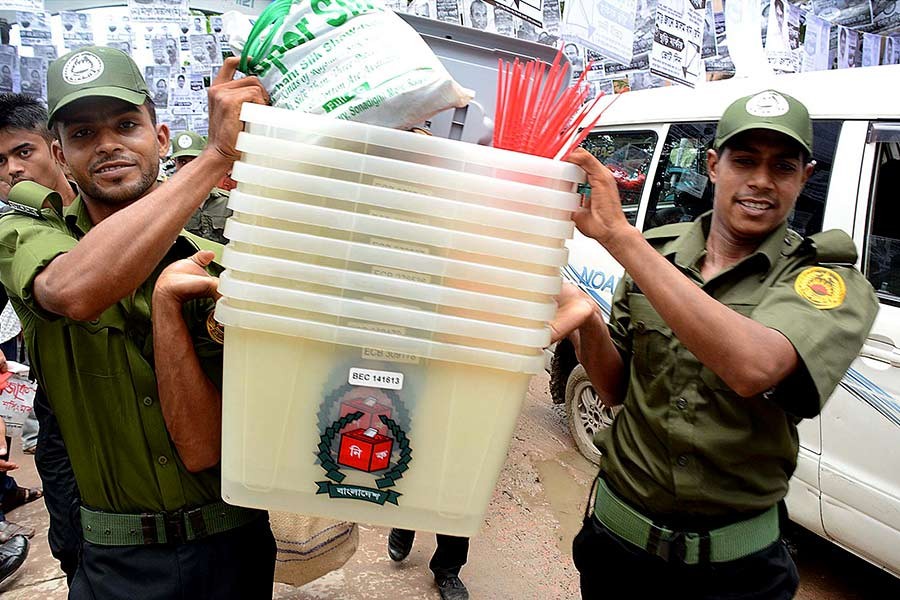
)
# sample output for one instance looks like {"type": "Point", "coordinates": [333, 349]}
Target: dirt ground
{"type": "Point", "coordinates": [522, 552]}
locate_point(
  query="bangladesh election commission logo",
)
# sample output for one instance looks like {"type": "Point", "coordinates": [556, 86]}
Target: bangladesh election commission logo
{"type": "Point", "coordinates": [82, 67]}
{"type": "Point", "coordinates": [768, 104]}
{"type": "Point", "coordinates": [363, 430]}
{"type": "Point", "coordinates": [822, 287]}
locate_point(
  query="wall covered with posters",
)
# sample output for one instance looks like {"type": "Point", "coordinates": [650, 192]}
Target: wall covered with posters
{"type": "Point", "coordinates": [686, 41]}
{"type": "Point", "coordinates": [180, 44]}
{"type": "Point", "coordinates": [624, 44]}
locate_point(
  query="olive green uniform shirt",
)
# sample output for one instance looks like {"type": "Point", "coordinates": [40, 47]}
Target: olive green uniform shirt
{"type": "Point", "coordinates": [99, 375]}
{"type": "Point", "coordinates": [208, 221]}
{"type": "Point", "coordinates": [684, 443]}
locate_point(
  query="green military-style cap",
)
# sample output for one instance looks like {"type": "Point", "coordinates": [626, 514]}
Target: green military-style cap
{"type": "Point", "coordinates": [770, 110]}
{"type": "Point", "coordinates": [94, 71]}
{"type": "Point", "coordinates": [187, 143]}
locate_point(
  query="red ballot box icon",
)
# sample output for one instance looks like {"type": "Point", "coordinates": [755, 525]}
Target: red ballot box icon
{"type": "Point", "coordinates": [371, 410]}
{"type": "Point", "coordinates": [365, 449]}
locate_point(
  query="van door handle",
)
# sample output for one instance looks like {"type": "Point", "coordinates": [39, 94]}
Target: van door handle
{"type": "Point", "coordinates": [882, 351]}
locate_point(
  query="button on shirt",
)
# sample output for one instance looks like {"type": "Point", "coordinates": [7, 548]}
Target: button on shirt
{"type": "Point", "coordinates": [685, 443]}
{"type": "Point", "coordinates": [99, 375]}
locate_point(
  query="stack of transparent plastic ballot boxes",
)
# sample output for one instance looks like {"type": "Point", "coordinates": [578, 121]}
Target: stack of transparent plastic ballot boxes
{"type": "Point", "coordinates": [386, 300]}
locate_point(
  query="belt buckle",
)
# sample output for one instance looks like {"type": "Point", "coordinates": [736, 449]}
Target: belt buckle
{"type": "Point", "coordinates": [173, 523]}
{"type": "Point", "coordinates": [674, 548]}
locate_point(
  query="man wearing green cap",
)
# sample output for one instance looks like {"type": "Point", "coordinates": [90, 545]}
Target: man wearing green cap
{"type": "Point", "coordinates": [208, 221]}
{"type": "Point", "coordinates": [724, 334]}
{"type": "Point", "coordinates": [81, 279]}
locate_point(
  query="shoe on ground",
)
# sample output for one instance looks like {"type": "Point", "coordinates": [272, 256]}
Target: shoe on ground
{"type": "Point", "coordinates": [12, 556]}
{"type": "Point", "coordinates": [451, 587]}
{"type": "Point", "coordinates": [19, 496]}
{"type": "Point", "coordinates": [400, 542]}
{"type": "Point", "coordinates": [9, 530]}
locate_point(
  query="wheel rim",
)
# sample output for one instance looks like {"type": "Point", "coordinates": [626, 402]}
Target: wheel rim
{"type": "Point", "coordinates": [593, 415]}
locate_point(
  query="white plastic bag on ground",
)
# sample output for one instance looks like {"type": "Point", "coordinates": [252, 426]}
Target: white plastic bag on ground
{"type": "Point", "coordinates": [351, 59]}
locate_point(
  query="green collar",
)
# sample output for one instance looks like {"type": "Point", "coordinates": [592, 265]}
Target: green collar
{"type": "Point", "coordinates": [76, 215]}
{"type": "Point", "coordinates": [690, 247]}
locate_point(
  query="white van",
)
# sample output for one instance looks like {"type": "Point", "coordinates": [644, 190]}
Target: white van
{"type": "Point", "coordinates": [847, 484]}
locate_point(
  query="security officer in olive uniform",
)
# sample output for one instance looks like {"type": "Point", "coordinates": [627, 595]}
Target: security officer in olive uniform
{"type": "Point", "coordinates": [208, 221]}
{"type": "Point", "coordinates": [81, 280]}
{"type": "Point", "coordinates": [724, 334]}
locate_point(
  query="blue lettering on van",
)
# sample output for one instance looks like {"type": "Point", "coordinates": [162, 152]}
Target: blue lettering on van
{"type": "Point", "coordinates": [572, 275]}
{"type": "Point", "coordinates": [598, 280]}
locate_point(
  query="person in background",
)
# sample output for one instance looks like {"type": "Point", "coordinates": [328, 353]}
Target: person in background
{"type": "Point", "coordinates": [153, 520]}
{"type": "Point", "coordinates": [724, 333]}
{"type": "Point", "coordinates": [208, 221]}
{"type": "Point", "coordinates": [26, 154]}
{"type": "Point", "coordinates": [448, 559]}
{"type": "Point", "coordinates": [13, 547]}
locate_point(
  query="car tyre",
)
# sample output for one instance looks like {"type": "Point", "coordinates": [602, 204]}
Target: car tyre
{"type": "Point", "coordinates": [585, 414]}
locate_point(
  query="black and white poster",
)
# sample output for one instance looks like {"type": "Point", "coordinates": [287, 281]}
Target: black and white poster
{"type": "Point", "coordinates": [9, 67]}
{"type": "Point", "coordinates": [33, 73]}
{"type": "Point", "coordinates": [849, 48]}
{"type": "Point", "coordinates": [423, 8]}
{"type": "Point", "coordinates": [46, 51]}
{"type": "Point", "coordinates": [77, 29]}
{"type": "Point", "coordinates": [158, 11]}
{"type": "Point", "coordinates": [816, 42]}
{"type": "Point", "coordinates": [477, 14]}
{"type": "Point", "coordinates": [676, 41]}
{"type": "Point", "coordinates": [157, 79]}
{"type": "Point", "coordinates": [205, 53]}
{"type": "Point", "coordinates": [165, 51]}
{"type": "Point", "coordinates": [34, 27]}
{"type": "Point", "coordinates": [447, 11]}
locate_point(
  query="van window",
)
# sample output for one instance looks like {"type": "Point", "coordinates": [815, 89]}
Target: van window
{"type": "Point", "coordinates": [627, 154]}
{"type": "Point", "coordinates": [882, 259]}
{"type": "Point", "coordinates": [682, 190]}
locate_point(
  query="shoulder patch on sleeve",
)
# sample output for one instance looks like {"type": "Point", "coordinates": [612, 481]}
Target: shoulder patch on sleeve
{"type": "Point", "coordinates": [822, 287]}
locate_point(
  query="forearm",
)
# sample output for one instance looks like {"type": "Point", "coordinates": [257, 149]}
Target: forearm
{"type": "Point", "coordinates": [120, 252]}
{"type": "Point", "coordinates": [747, 355]}
{"type": "Point", "coordinates": [191, 403]}
{"type": "Point", "coordinates": [601, 360]}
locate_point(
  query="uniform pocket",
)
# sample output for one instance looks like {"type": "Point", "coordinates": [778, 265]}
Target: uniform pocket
{"type": "Point", "coordinates": [652, 339]}
{"type": "Point", "coordinates": [98, 347]}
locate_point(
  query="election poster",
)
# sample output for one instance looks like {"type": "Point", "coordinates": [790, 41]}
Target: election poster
{"type": "Point", "coordinates": [677, 37]}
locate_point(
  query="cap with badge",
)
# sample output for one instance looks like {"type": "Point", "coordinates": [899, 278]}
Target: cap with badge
{"type": "Point", "coordinates": [766, 110]}
{"type": "Point", "coordinates": [94, 71]}
{"type": "Point", "coordinates": [187, 143]}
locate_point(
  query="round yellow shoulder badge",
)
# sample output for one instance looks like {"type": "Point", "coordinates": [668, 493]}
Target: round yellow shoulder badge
{"type": "Point", "coordinates": [823, 287]}
{"type": "Point", "coordinates": [215, 329]}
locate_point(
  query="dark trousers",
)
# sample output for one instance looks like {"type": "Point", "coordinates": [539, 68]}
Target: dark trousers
{"type": "Point", "coordinates": [10, 349]}
{"type": "Point", "coordinates": [449, 556]}
{"type": "Point", "coordinates": [61, 494]}
{"type": "Point", "coordinates": [7, 485]}
{"type": "Point", "coordinates": [235, 565]}
{"type": "Point", "coordinates": [610, 567]}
